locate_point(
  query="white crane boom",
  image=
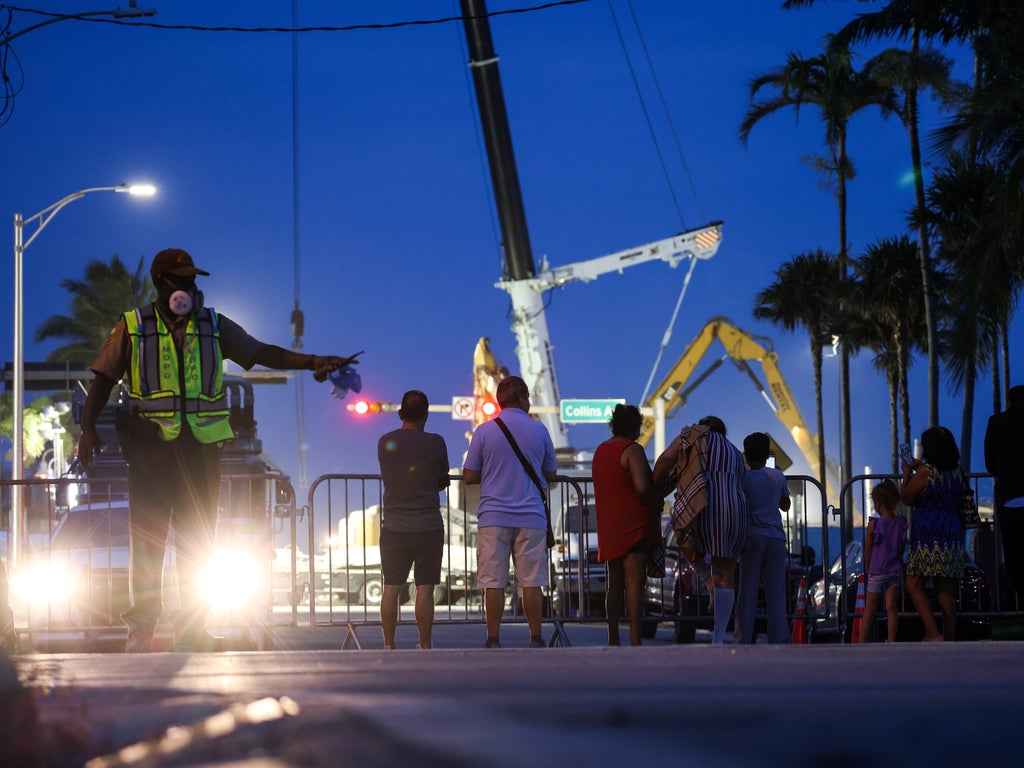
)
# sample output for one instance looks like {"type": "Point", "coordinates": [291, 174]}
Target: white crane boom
{"type": "Point", "coordinates": [529, 323]}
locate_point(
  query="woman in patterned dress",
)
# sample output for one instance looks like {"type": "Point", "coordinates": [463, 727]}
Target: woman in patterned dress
{"type": "Point", "coordinates": [933, 487]}
{"type": "Point", "coordinates": [721, 529]}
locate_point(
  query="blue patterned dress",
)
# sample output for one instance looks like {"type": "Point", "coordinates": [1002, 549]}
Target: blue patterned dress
{"type": "Point", "coordinates": [722, 528]}
{"type": "Point", "coordinates": [936, 537]}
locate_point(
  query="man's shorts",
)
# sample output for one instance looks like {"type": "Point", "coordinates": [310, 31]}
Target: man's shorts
{"type": "Point", "coordinates": [399, 550]}
{"type": "Point", "coordinates": [877, 582]}
{"type": "Point", "coordinates": [528, 548]}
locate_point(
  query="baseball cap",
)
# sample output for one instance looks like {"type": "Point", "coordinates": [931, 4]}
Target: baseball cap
{"type": "Point", "coordinates": [174, 261]}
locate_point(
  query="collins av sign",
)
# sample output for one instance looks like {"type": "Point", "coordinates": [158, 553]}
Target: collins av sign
{"type": "Point", "coordinates": [594, 411]}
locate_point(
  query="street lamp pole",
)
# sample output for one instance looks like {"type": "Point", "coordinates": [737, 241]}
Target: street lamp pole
{"type": "Point", "coordinates": [17, 411]}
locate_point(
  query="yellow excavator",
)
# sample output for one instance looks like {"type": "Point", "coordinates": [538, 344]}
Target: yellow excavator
{"type": "Point", "coordinates": [741, 347]}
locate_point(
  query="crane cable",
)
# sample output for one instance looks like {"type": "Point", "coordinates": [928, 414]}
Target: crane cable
{"type": "Point", "coordinates": [661, 159]}
{"type": "Point", "coordinates": [668, 331]}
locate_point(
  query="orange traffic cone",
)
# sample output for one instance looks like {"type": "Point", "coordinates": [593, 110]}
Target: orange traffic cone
{"type": "Point", "coordinates": [858, 610]}
{"type": "Point", "coordinates": [800, 620]}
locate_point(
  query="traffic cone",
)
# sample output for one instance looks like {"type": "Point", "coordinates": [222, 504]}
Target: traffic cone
{"type": "Point", "coordinates": [800, 620]}
{"type": "Point", "coordinates": [858, 610]}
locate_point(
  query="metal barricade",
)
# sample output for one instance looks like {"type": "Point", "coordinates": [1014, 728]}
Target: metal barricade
{"type": "Point", "coordinates": [681, 596]}
{"type": "Point", "coordinates": [72, 580]}
{"type": "Point", "coordinates": [344, 565]}
{"type": "Point", "coordinates": [982, 595]}
{"type": "Point", "coordinates": [345, 511]}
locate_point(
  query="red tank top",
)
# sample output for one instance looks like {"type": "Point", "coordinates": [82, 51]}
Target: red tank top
{"type": "Point", "coordinates": [622, 518]}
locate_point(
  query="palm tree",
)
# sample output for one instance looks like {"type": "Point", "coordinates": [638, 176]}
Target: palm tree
{"type": "Point", "coordinates": [965, 211]}
{"type": "Point", "coordinates": [910, 72]}
{"type": "Point", "coordinates": [890, 309]}
{"type": "Point", "coordinates": [989, 129]}
{"type": "Point", "coordinates": [804, 295]}
{"type": "Point", "coordinates": [830, 82]}
{"type": "Point", "coordinates": [34, 444]}
{"type": "Point", "coordinates": [97, 300]}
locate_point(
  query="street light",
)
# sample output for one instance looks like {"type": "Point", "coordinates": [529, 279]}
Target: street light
{"type": "Point", "coordinates": [42, 219]}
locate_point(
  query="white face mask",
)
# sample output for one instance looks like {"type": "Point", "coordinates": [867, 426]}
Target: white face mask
{"type": "Point", "coordinates": [180, 303]}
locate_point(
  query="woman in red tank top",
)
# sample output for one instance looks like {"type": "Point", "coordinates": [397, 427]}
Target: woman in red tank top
{"type": "Point", "coordinates": [628, 516]}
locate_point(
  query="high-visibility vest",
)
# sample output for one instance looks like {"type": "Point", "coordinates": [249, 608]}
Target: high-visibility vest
{"type": "Point", "coordinates": [156, 375]}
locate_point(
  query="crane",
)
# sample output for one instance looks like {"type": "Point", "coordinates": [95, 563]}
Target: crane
{"type": "Point", "coordinates": [742, 348]}
{"type": "Point", "coordinates": [536, 361]}
{"type": "Point", "coordinates": [521, 279]}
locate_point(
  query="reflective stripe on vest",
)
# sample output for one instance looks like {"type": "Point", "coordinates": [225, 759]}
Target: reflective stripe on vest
{"type": "Point", "coordinates": [154, 377]}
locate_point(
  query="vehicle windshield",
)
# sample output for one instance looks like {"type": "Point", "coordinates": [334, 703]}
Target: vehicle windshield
{"type": "Point", "coordinates": [90, 528]}
{"type": "Point", "coordinates": [854, 560]}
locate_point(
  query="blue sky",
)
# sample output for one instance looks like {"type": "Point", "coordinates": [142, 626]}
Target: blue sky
{"type": "Point", "coordinates": [399, 244]}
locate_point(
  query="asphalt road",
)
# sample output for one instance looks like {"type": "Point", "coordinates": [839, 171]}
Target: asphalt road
{"type": "Point", "coordinates": [906, 704]}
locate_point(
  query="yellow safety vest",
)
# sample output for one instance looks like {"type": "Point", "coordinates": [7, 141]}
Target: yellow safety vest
{"type": "Point", "coordinates": [156, 376]}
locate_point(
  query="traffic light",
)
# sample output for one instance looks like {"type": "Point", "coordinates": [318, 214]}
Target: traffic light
{"type": "Point", "coordinates": [485, 409]}
{"type": "Point", "coordinates": [363, 407]}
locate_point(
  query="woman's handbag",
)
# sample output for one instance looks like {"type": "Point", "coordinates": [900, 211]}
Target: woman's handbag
{"type": "Point", "coordinates": [967, 506]}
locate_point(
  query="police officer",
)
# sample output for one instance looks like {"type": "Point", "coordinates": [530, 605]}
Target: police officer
{"type": "Point", "coordinates": [171, 355]}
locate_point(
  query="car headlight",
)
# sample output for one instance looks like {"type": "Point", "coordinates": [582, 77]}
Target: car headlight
{"type": "Point", "coordinates": [230, 579]}
{"type": "Point", "coordinates": [42, 583]}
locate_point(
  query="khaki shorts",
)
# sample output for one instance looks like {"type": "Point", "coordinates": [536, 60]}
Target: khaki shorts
{"type": "Point", "coordinates": [528, 548]}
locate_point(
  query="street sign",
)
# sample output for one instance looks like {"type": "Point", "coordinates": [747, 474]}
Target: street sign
{"type": "Point", "coordinates": [462, 408]}
{"type": "Point", "coordinates": [587, 411]}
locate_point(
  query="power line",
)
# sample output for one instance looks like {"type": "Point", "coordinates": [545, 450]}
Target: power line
{"type": "Point", "coordinates": [345, 28]}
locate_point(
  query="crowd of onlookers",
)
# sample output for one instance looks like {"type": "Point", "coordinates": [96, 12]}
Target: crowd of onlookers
{"type": "Point", "coordinates": [726, 511]}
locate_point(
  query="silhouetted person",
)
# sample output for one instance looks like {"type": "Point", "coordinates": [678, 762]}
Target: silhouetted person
{"type": "Point", "coordinates": [414, 469]}
{"type": "Point", "coordinates": [1004, 458]}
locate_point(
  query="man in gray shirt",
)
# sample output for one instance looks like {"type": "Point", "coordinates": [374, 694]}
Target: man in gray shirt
{"type": "Point", "coordinates": [414, 469]}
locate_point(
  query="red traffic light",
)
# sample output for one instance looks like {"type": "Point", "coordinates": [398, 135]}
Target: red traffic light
{"type": "Point", "coordinates": [363, 407]}
{"type": "Point", "coordinates": [485, 409]}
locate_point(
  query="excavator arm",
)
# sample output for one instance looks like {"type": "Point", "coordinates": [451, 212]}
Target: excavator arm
{"type": "Point", "coordinates": [741, 348]}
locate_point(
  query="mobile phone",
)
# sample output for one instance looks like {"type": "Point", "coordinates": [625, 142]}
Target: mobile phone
{"type": "Point", "coordinates": [906, 454]}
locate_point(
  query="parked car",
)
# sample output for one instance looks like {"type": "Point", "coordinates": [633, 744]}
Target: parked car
{"type": "Point", "coordinates": [973, 597]}
{"type": "Point", "coordinates": [680, 595]}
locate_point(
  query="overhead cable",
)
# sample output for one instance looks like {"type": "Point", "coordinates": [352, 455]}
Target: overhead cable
{"type": "Point", "coordinates": [323, 28]}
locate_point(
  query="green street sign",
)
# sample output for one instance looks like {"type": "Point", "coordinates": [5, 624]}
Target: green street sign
{"type": "Point", "coordinates": [592, 411]}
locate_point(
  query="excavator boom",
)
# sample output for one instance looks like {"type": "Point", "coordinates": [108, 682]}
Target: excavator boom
{"type": "Point", "coordinates": [742, 348]}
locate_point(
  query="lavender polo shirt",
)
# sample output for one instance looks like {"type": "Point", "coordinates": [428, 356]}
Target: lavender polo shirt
{"type": "Point", "coordinates": [508, 496]}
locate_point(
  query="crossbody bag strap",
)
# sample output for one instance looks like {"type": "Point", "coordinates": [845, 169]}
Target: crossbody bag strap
{"type": "Point", "coordinates": [526, 465]}
{"type": "Point", "coordinates": [532, 474]}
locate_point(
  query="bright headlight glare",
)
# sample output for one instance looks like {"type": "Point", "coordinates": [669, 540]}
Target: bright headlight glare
{"type": "Point", "coordinates": [230, 579]}
{"type": "Point", "coordinates": [42, 583]}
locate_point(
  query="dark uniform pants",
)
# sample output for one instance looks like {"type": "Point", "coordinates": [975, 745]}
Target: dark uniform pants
{"type": "Point", "coordinates": [171, 484]}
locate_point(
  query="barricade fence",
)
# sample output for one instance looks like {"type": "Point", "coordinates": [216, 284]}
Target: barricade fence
{"type": "Point", "coordinates": [349, 584]}
{"type": "Point", "coordinates": [71, 581]}
{"type": "Point", "coordinates": [983, 594]}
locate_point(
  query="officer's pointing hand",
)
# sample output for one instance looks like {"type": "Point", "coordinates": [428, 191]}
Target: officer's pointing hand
{"type": "Point", "coordinates": [325, 364]}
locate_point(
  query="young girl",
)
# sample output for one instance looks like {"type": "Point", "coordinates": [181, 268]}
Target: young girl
{"type": "Point", "coordinates": [883, 557]}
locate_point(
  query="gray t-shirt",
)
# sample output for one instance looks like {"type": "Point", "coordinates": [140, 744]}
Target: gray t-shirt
{"type": "Point", "coordinates": [414, 468]}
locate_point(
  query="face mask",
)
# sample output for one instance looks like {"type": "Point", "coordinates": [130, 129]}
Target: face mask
{"type": "Point", "coordinates": [183, 301]}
